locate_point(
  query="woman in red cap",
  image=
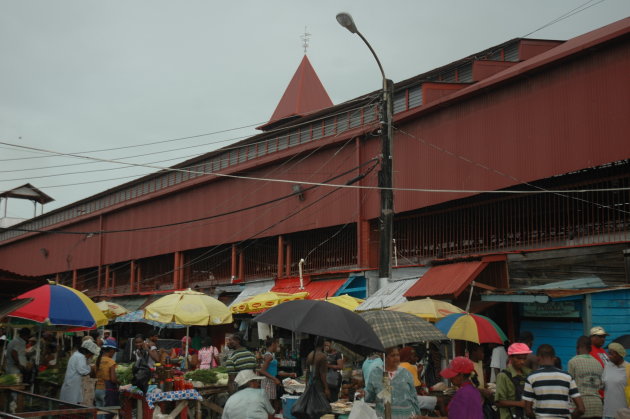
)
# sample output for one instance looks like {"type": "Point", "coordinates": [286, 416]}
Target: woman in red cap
{"type": "Point", "coordinates": [466, 403]}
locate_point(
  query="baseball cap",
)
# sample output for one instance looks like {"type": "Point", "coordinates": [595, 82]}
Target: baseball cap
{"type": "Point", "coordinates": [518, 349]}
{"type": "Point", "coordinates": [459, 365]}
{"type": "Point", "coordinates": [245, 376]}
{"type": "Point", "coordinates": [617, 347]}
{"type": "Point", "coordinates": [598, 330]}
{"type": "Point", "coordinates": [110, 344]}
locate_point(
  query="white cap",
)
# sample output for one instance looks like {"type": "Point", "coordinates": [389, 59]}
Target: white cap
{"type": "Point", "coordinates": [245, 376]}
{"type": "Point", "coordinates": [91, 346]}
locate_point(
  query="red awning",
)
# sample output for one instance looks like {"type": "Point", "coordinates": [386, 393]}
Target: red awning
{"type": "Point", "coordinates": [449, 279]}
{"type": "Point", "coordinates": [316, 289]}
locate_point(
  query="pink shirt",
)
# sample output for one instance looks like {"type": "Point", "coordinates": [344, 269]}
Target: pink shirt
{"type": "Point", "coordinates": [207, 357]}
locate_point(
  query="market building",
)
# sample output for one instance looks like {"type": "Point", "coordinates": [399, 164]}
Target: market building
{"type": "Point", "coordinates": [511, 171]}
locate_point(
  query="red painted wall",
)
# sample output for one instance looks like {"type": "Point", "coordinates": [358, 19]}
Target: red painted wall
{"type": "Point", "coordinates": [537, 125]}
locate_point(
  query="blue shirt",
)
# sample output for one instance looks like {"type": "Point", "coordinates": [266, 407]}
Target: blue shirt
{"type": "Point", "coordinates": [248, 403]}
{"type": "Point", "coordinates": [368, 366]}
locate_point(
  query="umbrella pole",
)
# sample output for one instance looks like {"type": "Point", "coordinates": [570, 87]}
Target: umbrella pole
{"type": "Point", "coordinates": [186, 353]}
{"type": "Point", "coordinates": [388, 404]}
{"type": "Point", "coordinates": [472, 287]}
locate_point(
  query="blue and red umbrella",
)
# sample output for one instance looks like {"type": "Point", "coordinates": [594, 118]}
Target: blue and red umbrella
{"type": "Point", "coordinates": [471, 327]}
{"type": "Point", "coordinates": [58, 305]}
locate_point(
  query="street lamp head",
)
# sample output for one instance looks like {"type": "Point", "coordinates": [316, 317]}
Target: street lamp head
{"type": "Point", "coordinates": [346, 21]}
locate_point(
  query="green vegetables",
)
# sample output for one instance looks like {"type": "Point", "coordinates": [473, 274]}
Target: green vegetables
{"type": "Point", "coordinates": [205, 376]}
{"type": "Point", "coordinates": [216, 376]}
{"type": "Point", "coordinates": [8, 380]}
{"type": "Point", "coordinates": [124, 373]}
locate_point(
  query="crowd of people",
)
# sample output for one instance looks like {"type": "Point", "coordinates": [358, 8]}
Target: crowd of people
{"type": "Point", "coordinates": [516, 383]}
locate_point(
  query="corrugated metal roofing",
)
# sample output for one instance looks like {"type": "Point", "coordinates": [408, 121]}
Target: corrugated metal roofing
{"type": "Point", "coordinates": [251, 289]}
{"type": "Point", "coordinates": [315, 289]}
{"type": "Point", "coordinates": [387, 296]}
{"type": "Point", "coordinates": [446, 279]}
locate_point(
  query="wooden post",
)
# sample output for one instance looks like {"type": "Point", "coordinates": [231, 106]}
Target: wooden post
{"type": "Point", "coordinates": [74, 278]}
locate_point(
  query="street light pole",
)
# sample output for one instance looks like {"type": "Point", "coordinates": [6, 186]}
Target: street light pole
{"type": "Point", "coordinates": [385, 175]}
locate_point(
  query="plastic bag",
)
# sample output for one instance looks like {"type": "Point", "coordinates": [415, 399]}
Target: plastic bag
{"type": "Point", "coordinates": [360, 410]}
{"type": "Point", "coordinates": [313, 404]}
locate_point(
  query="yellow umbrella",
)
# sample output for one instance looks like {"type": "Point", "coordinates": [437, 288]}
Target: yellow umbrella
{"type": "Point", "coordinates": [266, 300]}
{"type": "Point", "coordinates": [427, 308]}
{"type": "Point", "coordinates": [345, 301]}
{"type": "Point", "coordinates": [190, 308]}
{"type": "Point", "coordinates": [111, 310]}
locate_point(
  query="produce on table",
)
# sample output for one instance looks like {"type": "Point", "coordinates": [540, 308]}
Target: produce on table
{"type": "Point", "coordinates": [9, 380]}
{"type": "Point", "coordinates": [216, 376]}
{"type": "Point", "coordinates": [124, 373]}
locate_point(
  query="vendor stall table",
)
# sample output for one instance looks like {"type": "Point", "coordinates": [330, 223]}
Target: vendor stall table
{"type": "Point", "coordinates": [209, 395]}
{"type": "Point", "coordinates": [145, 405]}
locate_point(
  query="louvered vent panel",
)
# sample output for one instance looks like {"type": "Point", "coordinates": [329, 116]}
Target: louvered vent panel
{"type": "Point", "coordinates": [415, 96]}
{"type": "Point", "coordinates": [400, 102]}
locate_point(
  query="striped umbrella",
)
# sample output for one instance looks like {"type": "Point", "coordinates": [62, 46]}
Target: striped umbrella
{"type": "Point", "coordinates": [58, 305]}
{"type": "Point", "coordinates": [472, 328]}
{"type": "Point", "coordinates": [395, 328]}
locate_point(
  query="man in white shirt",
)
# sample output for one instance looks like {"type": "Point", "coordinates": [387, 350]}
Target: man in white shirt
{"type": "Point", "coordinates": [250, 401]}
{"type": "Point", "coordinates": [16, 352]}
{"type": "Point", "coordinates": [498, 362]}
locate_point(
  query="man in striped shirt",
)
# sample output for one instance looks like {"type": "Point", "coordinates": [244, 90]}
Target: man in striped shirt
{"type": "Point", "coordinates": [548, 389]}
{"type": "Point", "coordinates": [240, 359]}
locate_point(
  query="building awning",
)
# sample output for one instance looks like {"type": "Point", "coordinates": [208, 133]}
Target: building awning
{"type": "Point", "coordinates": [388, 295]}
{"type": "Point", "coordinates": [446, 280]}
{"type": "Point", "coordinates": [316, 289]}
{"type": "Point", "coordinates": [544, 295]}
{"type": "Point", "coordinates": [252, 288]}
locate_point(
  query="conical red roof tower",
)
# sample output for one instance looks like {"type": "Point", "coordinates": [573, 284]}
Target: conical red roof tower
{"type": "Point", "coordinates": [305, 94]}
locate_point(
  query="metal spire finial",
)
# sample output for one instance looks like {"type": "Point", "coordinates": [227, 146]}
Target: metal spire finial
{"type": "Point", "coordinates": [305, 40]}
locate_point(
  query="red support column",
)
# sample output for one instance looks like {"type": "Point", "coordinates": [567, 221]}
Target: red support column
{"type": "Point", "coordinates": [98, 279]}
{"type": "Point", "coordinates": [289, 258]}
{"type": "Point", "coordinates": [138, 278]}
{"type": "Point", "coordinates": [181, 270]}
{"type": "Point", "coordinates": [233, 268]}
{"type": "Point", "coordinates": [176, 270]}
{"type": "Point", "coordinates": [280, 255]}
{"type": "Point", "coordinates": [107, 283]}
{"type": "Point", "coordinates": [241, 265]}
{"type": "Point", "coordinates": [132, 276]}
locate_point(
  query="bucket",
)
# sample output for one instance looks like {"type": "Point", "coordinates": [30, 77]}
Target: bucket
{"type": "Point", "coordinates": [287, 403]}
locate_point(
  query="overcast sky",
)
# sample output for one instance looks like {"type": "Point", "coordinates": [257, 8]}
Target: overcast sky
{"type": "Point", "coordinates": [80, 75]}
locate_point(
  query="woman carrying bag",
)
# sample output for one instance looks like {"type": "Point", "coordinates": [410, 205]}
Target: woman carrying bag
{"type": "Point", "coordinates": [313, 404]}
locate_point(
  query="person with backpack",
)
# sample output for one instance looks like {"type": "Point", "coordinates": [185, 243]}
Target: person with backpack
{"type": "Point", "coordinates": [511, 381]}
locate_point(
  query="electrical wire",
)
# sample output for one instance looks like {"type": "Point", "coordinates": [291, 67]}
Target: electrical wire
{"type": "Point", "coordinates": [566, 15]}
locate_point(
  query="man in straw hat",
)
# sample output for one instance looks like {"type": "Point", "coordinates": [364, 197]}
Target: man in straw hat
{"type": "Point", "coordinates": [250, 401]}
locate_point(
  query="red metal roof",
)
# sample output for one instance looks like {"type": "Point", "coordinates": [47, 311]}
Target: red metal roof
{"type": "Point", "coordinates": [315, 289]}
{"type": "Point", "coordinates": [446, 279]}
{"type": "Point", "coordinates": [305, 94]}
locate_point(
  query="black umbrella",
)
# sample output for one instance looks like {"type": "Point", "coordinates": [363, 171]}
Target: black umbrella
{"type": "Point", "coordinates": [624, 340]}
{"type": "Point", "coordinates": [324, 319]}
